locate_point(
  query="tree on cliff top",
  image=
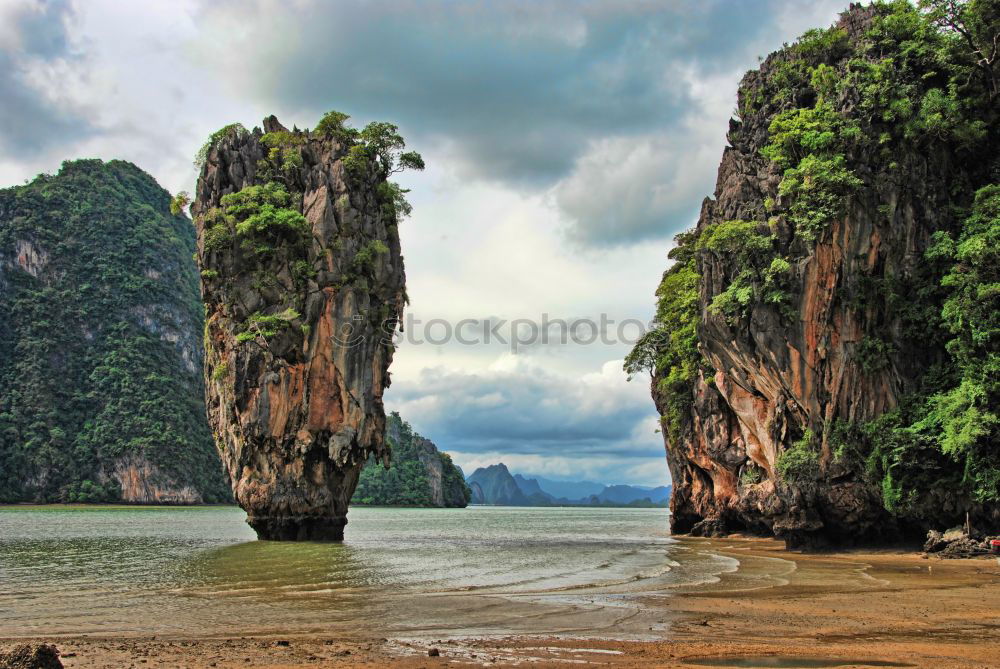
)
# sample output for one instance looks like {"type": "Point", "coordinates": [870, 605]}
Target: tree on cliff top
{"type": "Point", "coordinates": [378, 143]}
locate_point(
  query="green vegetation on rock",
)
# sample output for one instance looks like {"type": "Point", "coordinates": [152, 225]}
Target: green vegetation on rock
{"type": "Point", "coordinates": [747, 247]}
{"type": "Point", "coordinates": [800, 462]}
{"type": "Point", "coordinates": [99, 352]}
{"type": "Point", "coordinates": [265, 219]}
{"type": "Point", "coordinates": [670, 350]}
{"type": "Point", "coordinates": [215, 138]}
{"type": "Point", "coordinates": [263, 216]}
{"type": "Point", "coordinates": [949, 434]}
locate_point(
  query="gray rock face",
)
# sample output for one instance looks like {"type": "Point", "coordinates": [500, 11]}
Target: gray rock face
{"type": "Point", "coordinates": [296, 353]}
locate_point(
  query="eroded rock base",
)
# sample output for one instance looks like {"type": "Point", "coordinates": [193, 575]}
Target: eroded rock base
{"type": "Point", "coordinates": [298, 528]}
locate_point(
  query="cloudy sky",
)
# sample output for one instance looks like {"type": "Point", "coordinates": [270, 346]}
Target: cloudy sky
{"type": "Point", "coordinates": [566, 143]}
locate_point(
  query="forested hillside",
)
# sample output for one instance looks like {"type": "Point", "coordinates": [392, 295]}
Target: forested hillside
{"type": "Point", "coordinates": [420, 474]}
{"type": "Point", "coordinates": [101, 392]}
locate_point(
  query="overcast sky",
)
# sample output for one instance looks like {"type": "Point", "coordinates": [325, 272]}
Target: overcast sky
{"type": "Point", "coordinates": [566, 143]}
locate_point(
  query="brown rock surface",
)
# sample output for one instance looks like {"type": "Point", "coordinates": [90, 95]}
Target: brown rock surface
{"type": "Point", "coordinates": [30, 656]}
{"type": "Point", "coordinates": [143, 483]}
{"type": "Point", "coordinates": [297, 412]}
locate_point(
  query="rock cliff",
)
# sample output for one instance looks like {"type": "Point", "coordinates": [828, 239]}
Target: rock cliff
{"type": "Point", "coordinates": [816, 373]}
{"type": "Point", "coordinates": [302, 280]}
{"type": "Point", "coordinates": [100, 364]}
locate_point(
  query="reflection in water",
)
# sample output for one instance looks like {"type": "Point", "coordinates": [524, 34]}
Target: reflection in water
{"type": "Point", "coordinates": [189, 571]}
{"type": "Point", "coordinates": [281, 584]}
{"type": "Point", "coordinates": [269, 570]}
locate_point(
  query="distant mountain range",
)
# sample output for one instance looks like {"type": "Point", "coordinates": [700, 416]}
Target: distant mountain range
{"type": "Point", "coordinates": [569, 489]}
{"type": "Point", "coordinates": [495, 485]}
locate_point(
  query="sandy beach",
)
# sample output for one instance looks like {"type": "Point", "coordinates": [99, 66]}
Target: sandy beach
{"type": "Point", "coordinates": [854, 608]}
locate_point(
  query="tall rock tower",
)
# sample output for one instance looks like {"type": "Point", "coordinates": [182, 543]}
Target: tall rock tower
{"type": "Point", "coordinates": [303, 282]}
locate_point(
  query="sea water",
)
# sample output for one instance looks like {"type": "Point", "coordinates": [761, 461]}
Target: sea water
{"type": "Point", "coordinates": [173, 571]}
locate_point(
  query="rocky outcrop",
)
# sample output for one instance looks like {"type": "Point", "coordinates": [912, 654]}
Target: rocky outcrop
{"type": "Point", "coordinates": [143, 483]}
{"type": "Point", "coordinates": [444, 480]}
{"type": "Point", "coordinates": [429, 456]}
{"type": "Point", "coordinates": [31, 656]}
{"type": "Point", "coordinates": [30, 258]}
{"type": "Point", "coordinates": [301, 269]}
{"type": "Point", "coordinates": [961, 542]}
{"type": "Point", "coordinates": [817, 309]}
{"type": "Point", "coordinates": [496, 485]}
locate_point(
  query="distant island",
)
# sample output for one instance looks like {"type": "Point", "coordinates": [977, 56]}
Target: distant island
{"type": "Point", "coordinates": [495, 485]}
{"type": "Point", "coordinates": [420, 474]}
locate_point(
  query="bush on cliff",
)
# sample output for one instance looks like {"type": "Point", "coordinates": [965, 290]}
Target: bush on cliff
{"type": "Point", "coordinates": [961, 422]}
{"type": "Point", "coordinates": [202, 156]}
{"type": "Point", "coordinates": [670, 349]}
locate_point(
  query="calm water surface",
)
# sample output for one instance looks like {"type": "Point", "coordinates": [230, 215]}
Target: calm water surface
{"type": "Point", "coordinates": [200, 571]}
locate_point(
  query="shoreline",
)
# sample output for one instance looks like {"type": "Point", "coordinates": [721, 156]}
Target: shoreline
{"type": "Point", "coordinates": [81, 506]}
{"type": "Point", "coordinates": [854, 605]}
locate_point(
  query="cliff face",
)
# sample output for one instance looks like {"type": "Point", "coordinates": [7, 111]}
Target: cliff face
{"type": "Point", "coordinates": [301, 268]}
{"type": "Point", "coordinates": [420, 474]}
{"type": "Point", "coordinates": [445, 481]}
{"type": "Point", "coordinates": [100, 364]}
{"type": "Point", "coordinates": [803, 373]}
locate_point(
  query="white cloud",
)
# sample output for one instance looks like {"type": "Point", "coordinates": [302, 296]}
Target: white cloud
{"type": "Point", "coordinates": [628, 189]}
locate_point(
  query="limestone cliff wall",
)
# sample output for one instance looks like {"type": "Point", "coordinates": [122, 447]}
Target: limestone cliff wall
{"type": "Point", "coordinates": [420, 474]}
{"type": "Point", "coordinates": [841, 344]}
{"type": "Point", "coordinates": [143, 483]}
{"type": "Point", "coordinates": [296, 353]}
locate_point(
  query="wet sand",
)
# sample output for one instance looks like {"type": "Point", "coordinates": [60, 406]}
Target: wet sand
{"type": "Point", "coordinates": [857, 608]}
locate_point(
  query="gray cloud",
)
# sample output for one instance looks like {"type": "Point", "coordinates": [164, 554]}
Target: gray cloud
{"type": "Point", "coordinates": [628, 190]}
{"type": "Point", "coordinates": [36, 38]}
{"type": "Point", "coordinates": [519, 92]}
{"type": "Point", "coordinates": [528, 411]}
